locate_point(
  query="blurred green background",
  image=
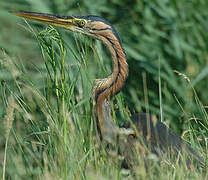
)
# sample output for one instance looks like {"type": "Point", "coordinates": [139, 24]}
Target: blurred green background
{"type": "Point", "coordinates": [159, 37]}
{"type": "Point", "coordinates": [166, 35]}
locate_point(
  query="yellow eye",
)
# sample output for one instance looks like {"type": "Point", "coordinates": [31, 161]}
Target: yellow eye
{"type": "Point", "coordinates": [82, 23]}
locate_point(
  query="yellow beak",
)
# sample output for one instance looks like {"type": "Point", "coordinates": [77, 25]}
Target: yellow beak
{"type": "Point", "coordinates": [66, 22]}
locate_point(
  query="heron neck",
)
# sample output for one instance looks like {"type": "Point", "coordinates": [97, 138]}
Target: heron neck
{"type": "Point", "coordinates": [114, 82]}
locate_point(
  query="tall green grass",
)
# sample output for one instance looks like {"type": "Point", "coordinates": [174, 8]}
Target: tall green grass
{"type": "Point", "coordinates": [52, 134]}
{"type": "Point", "coordinates": [46, 126]}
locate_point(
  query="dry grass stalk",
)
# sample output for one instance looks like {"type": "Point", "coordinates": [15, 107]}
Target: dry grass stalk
{"type": "Point", "coordinates": [9, 118]}
{"type": "Point", "coordinates": [183, 75]}
{"type": "Point", "coordinates": [9, 64]}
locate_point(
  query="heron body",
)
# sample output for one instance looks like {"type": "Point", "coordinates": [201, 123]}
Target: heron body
{"type": "Point", "coordinates": [162, 140]}
{"type": "Point", "coordinates": [155, 134]}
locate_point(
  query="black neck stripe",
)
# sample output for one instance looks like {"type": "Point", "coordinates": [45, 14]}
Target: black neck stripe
{"type": "Point", "coordinates": [119, 71]}
{"type": "Point", "coordinates": [101, 29]}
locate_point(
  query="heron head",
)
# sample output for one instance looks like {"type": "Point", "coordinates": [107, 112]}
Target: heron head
{"type": "Point", "coordinates": [90, 25]}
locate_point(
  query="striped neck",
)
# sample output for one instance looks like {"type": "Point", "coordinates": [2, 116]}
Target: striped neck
{"type": "Point", "coordinates": [113, 83]}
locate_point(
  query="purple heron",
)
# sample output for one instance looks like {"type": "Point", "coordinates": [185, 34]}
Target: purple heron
{"type": "Point", "coordinates": [155, 134]}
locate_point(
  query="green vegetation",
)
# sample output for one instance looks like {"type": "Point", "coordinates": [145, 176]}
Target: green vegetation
{"type": "Point", "coordinates": [46, 127]}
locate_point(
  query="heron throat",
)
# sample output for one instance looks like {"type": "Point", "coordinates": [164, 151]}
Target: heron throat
{"type": "Point", "coordinates": [104, 88]}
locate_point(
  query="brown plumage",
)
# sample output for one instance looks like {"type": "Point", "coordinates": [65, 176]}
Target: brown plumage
{"type": "Point", "coordinates": [161, 140]}
{"type": "Point", "coordinates": [156, 136]}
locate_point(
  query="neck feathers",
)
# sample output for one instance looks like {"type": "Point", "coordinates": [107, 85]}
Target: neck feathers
{"type": "Point", "coordinates": [114, 82]}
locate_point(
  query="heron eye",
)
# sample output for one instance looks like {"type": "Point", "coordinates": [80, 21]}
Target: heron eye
{"type": "Point", "coordinates": [82, 23]}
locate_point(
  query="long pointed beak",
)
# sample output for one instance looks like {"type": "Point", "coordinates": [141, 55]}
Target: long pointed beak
{"type": "Point", "coordinates": [56, 20]}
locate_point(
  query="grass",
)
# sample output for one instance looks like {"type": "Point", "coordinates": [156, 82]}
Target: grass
{"type": "Point", "coordinates": [46, 128]}
{"type": "Point", "coordinates": [49, 130]}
